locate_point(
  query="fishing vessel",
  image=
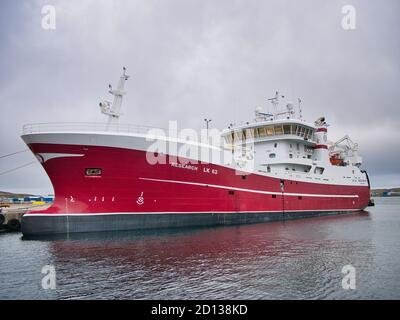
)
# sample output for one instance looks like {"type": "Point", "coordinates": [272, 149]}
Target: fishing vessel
{"type": "Point", "coordinates": [112, 176]}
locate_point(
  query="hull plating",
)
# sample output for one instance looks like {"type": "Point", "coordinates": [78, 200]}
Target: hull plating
{"type": "Point", "coordinates": [132, 194]}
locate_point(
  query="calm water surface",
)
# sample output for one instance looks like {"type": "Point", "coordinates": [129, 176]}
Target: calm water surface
{"type": "Point", "coordinates": [299, 259]}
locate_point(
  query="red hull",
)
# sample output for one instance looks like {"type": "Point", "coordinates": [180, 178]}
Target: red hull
{"type": "Point", "coordinates": [129, 184]}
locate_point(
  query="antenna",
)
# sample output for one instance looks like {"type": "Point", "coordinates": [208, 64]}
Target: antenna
{"type": "Point", "coordinates": [275, 100]}
{"type": "Point", "coordinates": [299, 104]}
{"type": "Point", "coordinates": [207, 121]}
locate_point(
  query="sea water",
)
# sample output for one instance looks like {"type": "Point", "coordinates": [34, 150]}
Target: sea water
{"type": "Point", "coordinates": [351, 256]}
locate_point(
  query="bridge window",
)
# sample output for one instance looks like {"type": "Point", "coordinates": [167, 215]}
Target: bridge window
{"type": "Point", "coordinates": [270, 131]}
{"type": "Point", "coordinates": [249, 133]}
{"type": "Point", "coordinates": [261, 132]}
{"type": "Point", "coordinates": [255, 133]}
{"type": "Point", "coordinates": [228, 138]}
{"type": "Point", "coordinates": [308, 134]}
{"type": "Point", "coordinates": [272, 155]}
{"type": "Point", "coordinates": [286, 129]}
{"type": "Point", "coordinates": [278, 130]}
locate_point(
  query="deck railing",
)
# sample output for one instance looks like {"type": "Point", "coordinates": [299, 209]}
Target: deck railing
{"type": "Point", "coordinates": [84, 127]}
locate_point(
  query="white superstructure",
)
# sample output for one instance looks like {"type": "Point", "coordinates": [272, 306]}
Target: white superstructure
{"type": "Point", "coordinates": [286, 146]}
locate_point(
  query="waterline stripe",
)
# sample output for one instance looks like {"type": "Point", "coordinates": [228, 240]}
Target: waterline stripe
{"type": "Point", "coordinates": [177, 213]}
{"type": "Point", "coordinates": [254, 191]}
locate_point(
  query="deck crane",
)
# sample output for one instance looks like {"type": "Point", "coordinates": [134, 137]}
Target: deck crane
{"type": "Point", "coordinates": [345, 152]}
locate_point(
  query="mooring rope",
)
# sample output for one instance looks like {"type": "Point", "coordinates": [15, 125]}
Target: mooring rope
{"type": "Point", "coordinates": [11, 154]}
{"type": "Point", "coordinates": [24, 165]}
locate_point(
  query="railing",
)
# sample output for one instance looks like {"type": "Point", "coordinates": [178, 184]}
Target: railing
{"type": "Point", "coordinates": [83, 127]}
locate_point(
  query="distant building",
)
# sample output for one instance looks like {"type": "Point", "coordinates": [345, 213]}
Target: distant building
{"type": "Point", "coordinates": [46, 199]}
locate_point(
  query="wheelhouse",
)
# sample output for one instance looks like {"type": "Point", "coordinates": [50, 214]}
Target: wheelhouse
{"type": "Point", "coordinates": [270, 131]}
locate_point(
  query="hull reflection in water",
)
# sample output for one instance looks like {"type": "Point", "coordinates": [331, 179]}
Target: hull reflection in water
{"type": "Point", "coordinates": [296, 259]}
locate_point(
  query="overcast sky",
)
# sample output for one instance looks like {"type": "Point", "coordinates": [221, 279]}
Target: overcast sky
{"type": "Point", "coordinates": [195, 59]}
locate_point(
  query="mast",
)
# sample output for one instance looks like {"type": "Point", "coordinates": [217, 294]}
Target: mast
{"type": "Point", "coordinates": [275, 101]}
{"type": "Point", "coordinates": [288, 112]}
{"type": "Point", "coordinates": [112, 110]}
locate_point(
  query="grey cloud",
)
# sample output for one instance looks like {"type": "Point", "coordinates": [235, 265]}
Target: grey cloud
{"type": "Point", "coordinates": [196, 59]}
